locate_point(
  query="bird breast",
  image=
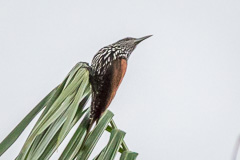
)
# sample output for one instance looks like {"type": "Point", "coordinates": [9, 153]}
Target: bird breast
{"type": "Point", "coordinates": [108, 84]}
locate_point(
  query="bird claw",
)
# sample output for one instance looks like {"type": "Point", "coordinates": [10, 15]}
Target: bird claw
{"type": "Point", "coordinates": [89, 68]}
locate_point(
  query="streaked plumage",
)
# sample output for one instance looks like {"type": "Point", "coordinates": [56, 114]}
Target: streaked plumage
{"type": "Point", "coordinates": [107, 71]}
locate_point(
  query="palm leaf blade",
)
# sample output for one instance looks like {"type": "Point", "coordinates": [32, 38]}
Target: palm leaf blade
{"type": "Point", "coordinates": [128, 155]}
{"type": "Point", "coordinates": [94, 136]}
{"type": "Point", "coordinates": [16, 132]}
{"type": "Point", "coordinates": [63, 109]}
{"type": "Point", "coordinates": [113, 145]}
{"type": "Point", "coordinates": [75, 143]}
{"type": "Point", "coordinates": [65, 96]}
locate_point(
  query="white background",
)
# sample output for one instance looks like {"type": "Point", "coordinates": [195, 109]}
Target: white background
{"type": "Point", "coordinates": [180, 97]}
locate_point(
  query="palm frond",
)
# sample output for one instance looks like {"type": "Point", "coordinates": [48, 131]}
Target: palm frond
{"type": "Point", "coordinates": [64, 106]}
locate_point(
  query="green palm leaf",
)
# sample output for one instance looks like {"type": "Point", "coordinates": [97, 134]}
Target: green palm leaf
{"type": "Point", "coordinates": [63, 109]}
{"type": "Point", "coordinates": [113, 145]}
{"type": "Point", "coordinates": [16, 132]}
{"type": "Point", "coordinates": [94, 136]}
{"type": "Point", "coordinates": [128, 155]}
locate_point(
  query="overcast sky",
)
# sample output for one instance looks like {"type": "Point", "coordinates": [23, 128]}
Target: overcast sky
{"type": "Point", "coordinates": [180, 98]}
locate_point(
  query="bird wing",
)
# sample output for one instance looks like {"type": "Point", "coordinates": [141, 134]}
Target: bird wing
{"type": "Point", "coordinates": [108, 87]}
{"type": "Point", "coordinates": [116, 73]}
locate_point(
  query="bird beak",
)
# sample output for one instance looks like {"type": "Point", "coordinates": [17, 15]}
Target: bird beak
{"type": "Point", "coordinates": [138, 40]}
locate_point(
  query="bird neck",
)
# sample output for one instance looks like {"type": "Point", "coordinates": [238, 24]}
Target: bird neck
{"type": "Point", "coordinates": [105, 56]}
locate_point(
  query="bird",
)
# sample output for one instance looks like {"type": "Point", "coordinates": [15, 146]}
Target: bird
{"type": "Point", "coordinates": [107, 70]}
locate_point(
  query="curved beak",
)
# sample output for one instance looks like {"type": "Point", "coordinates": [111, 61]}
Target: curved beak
{"type": "Point", "coordinates": [138, 40]}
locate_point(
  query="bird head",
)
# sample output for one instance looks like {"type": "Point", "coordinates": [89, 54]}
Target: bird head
{"type": "Point", "coordinates": [129, 44]}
